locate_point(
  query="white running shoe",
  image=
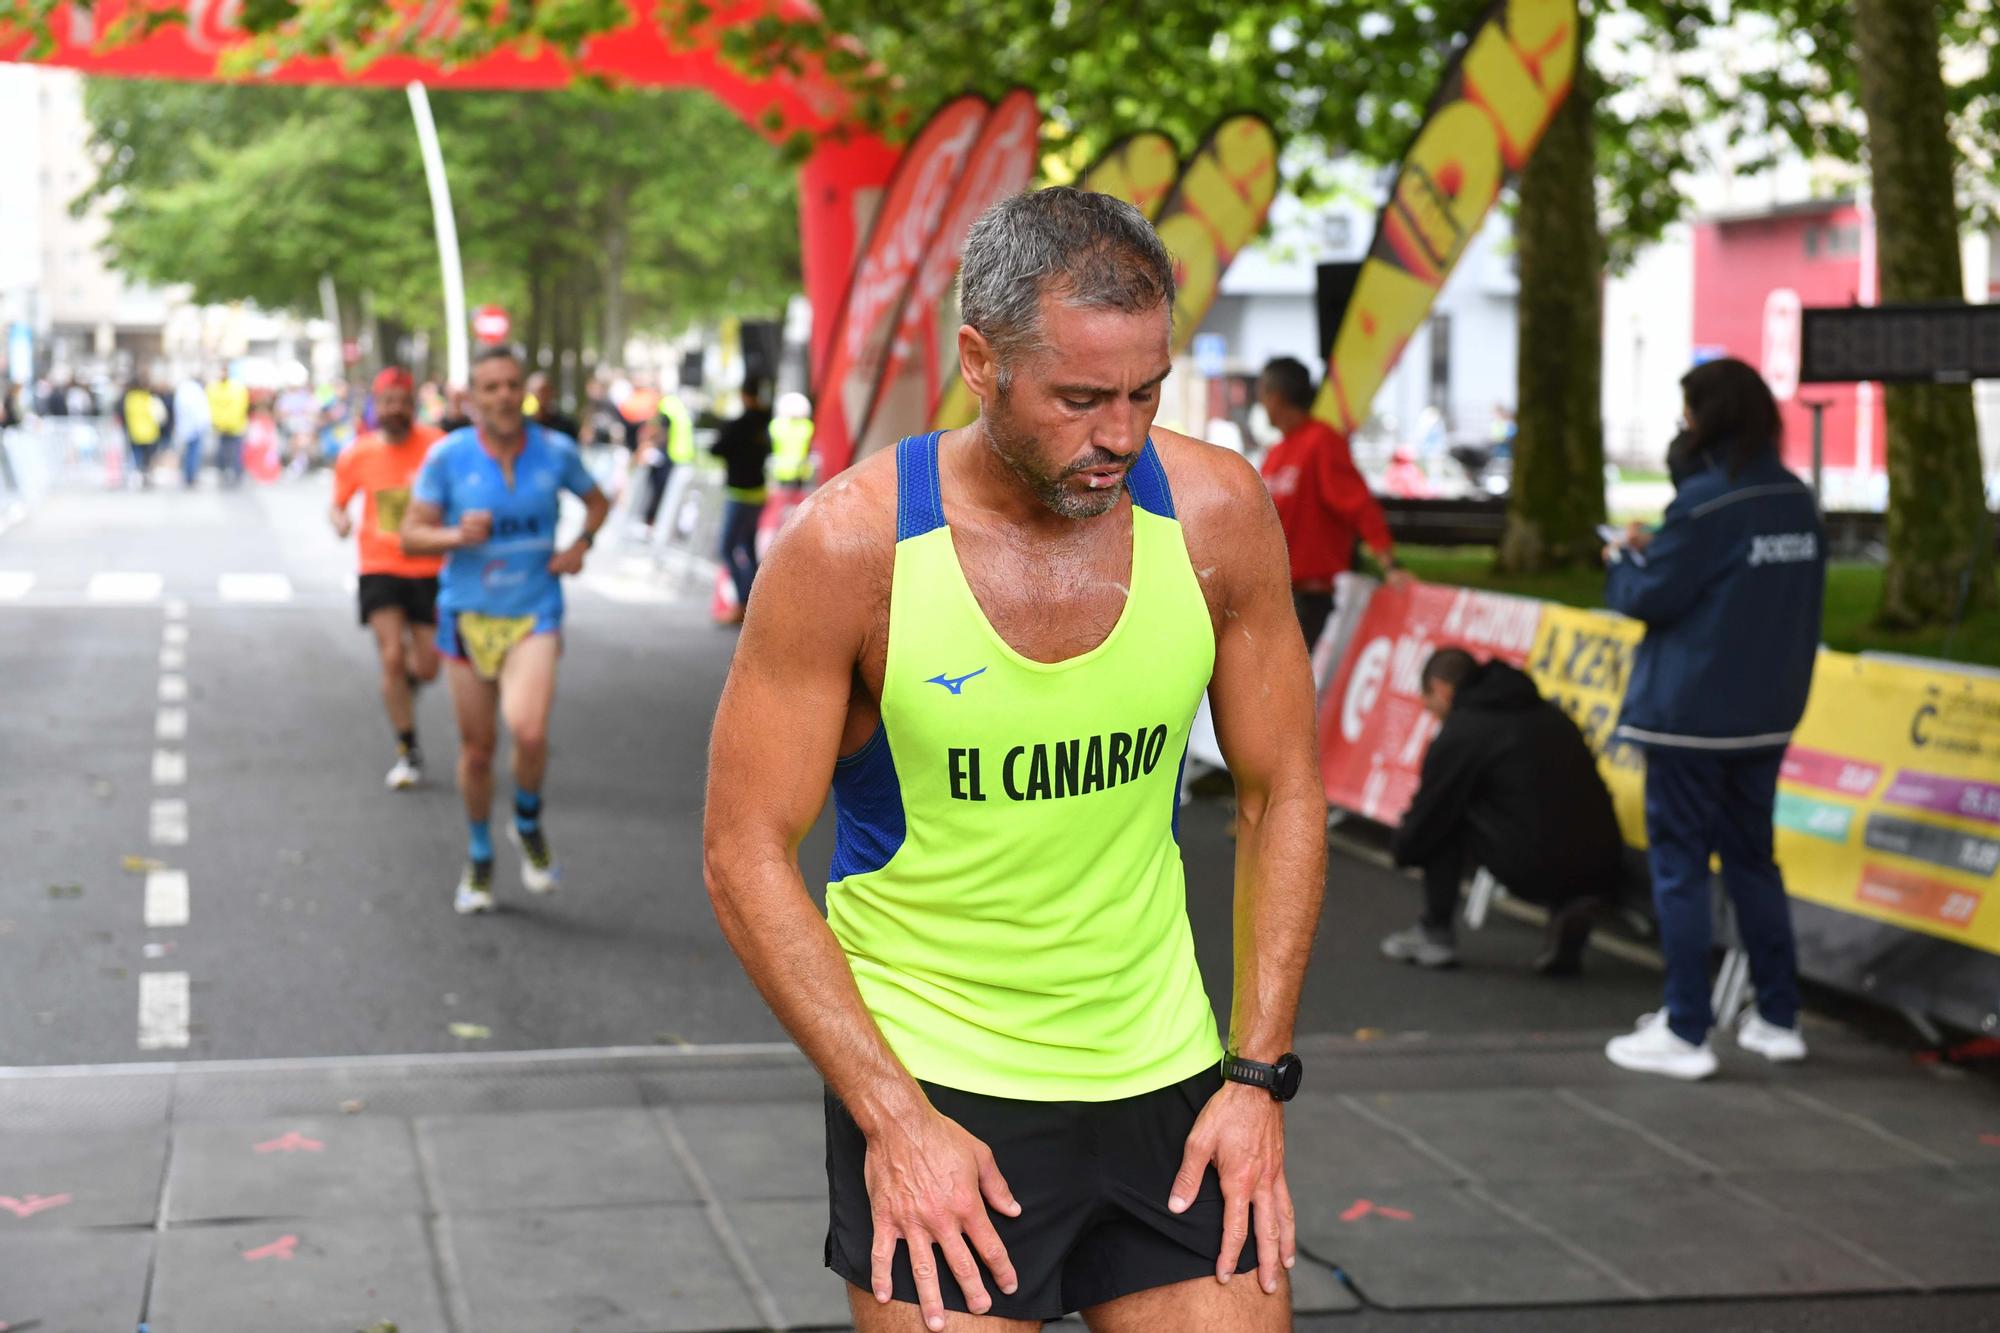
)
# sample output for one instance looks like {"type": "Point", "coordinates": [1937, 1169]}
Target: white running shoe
{"type": "Point", "coordinates": [475, 890]}
{"type": "Point", "coordinates": [1776, 1044]}
{"type": "Point", "coordinates": [539, 871]}
{"type": "Point", "coordinates": [406, 774]}
{"type": "Point", "coordinates": [1652, 1048]}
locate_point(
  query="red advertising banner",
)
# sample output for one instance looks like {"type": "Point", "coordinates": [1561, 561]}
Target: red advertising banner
{"type": "Point", "coordinates": [1373, 730]}
{"type": "Point", "coordinates": [1001, 164]}
{"type": "Point", "coordinates": [911, 212]}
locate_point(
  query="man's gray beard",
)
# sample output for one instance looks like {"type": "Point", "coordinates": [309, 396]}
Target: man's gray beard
{"type": "Point", "coordinates": [1060, 499]}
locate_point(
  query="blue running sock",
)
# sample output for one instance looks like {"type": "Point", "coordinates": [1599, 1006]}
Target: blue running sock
{"type": "Point", "coordinates": [479, 846]}
{"type": "Point", "coordinates": [528, 811]}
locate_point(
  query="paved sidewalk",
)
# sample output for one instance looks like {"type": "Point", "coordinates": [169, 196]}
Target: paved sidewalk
{"type": "Point", "coordinates": [640, 1191]}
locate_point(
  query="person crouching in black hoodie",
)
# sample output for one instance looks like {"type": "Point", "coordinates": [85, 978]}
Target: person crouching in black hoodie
{"type": "Point", "coordinates": [1508, 784]}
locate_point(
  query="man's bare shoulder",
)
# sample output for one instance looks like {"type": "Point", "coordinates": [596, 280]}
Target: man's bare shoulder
{"type": "Point", "coordinates": [1215, 489]}
{"type": "Point", "coordinates": [838, 549]}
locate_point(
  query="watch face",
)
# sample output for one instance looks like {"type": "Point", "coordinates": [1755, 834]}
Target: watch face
{"type": "Point", "coordinates": [1290, 1073]}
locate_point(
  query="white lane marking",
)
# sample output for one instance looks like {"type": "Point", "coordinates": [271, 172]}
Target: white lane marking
{"type": "Point", "coordinates": [173, 689]}
{"type": "Point", "coordinates": [170, 768]}
{"type": "Point", "coordinates": [14, 584]}
{"type": "Point", "coordinates": [163, 1010]}
{"type": "Point", "coordinates": [171, 724]}
{"type": "Point", "coordinates": [169, 822]}
{"type": "Point", "coordinates": [177, 608]}
{"type": "Point", "coordinates": [125, 587]}
{"type": "Point", "coordinates": [254, 588]}
{"type": "Point", "coordinates": [166, 898]}
{"type": "Point", "coordinates": [175, 633]}
{"type": "Point", "coordinates": [173, 659]}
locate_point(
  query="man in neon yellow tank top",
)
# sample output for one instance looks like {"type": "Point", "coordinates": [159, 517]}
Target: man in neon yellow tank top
{"type": "Point", "coordinates": [991, 644]}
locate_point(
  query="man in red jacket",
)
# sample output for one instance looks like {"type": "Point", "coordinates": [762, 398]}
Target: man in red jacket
{"type": "Point", "coordinates": [1323, 503]}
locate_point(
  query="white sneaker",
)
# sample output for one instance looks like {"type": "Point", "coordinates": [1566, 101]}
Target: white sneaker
{"type": "Point", "coordinates": [1652, 1048]}
{"type": "Point", "coordinates": [475, 891]}
{"type": "Point", "coordinates": [1776, 1044]}
{"type": "Point", "coordinates": [539, 871]}
{"type": "Point", "coordinates": [405, 775]}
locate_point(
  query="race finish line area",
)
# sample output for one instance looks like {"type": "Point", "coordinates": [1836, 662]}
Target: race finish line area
{"type": "Point", "coordinates": [402, 403]}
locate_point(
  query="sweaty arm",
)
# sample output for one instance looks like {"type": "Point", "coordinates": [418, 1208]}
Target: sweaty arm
{"type": "Point", "coordinates": [1262, 697]}
{"type": "Point", "coordinates": [777, 734]}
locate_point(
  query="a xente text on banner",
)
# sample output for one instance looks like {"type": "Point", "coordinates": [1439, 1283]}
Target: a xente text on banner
{"type": "Point", "coordinates": [1002, 162]}
{"type": "Point", "coordinates": [1140, 169]}
{"type": "Point", "coordinates": [1218, 206]}
{"type": "Point", "coordinates": [906, 223]}
{"type": "Point", "coordinates": [1372, 725]}
{"type": "Point", "coordinates": [1490, 112]}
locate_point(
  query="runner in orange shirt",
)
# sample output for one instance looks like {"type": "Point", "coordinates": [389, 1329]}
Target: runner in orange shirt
{"type": "Point", "coordinates": [398, 591]}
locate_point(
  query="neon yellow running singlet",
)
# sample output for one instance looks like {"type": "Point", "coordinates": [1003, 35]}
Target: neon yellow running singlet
{"type": "Point", "coordinates": [1007, 879]}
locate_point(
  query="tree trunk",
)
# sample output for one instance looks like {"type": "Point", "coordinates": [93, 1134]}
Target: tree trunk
{"type": "Point", "coordinates": [1940, 547]}
{"type": "Point", "coordinates": [1556, 499]}
{"type": "Point", "coordinates": [616, 235]}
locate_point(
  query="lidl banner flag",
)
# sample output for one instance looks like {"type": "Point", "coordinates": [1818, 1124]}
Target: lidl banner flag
{"type": "Point", "coordinates": [1494, 104]}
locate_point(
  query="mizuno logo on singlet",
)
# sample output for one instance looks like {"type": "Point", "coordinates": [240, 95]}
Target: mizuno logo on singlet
{"type": "Point", "coordinates": [955, 684]}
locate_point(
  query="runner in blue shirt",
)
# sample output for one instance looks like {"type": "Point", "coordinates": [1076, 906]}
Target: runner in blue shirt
{"type": "Point", "coordinates": [487, 500]}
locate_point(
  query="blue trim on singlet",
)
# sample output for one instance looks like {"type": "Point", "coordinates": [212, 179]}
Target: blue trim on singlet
{"type": "Point", "coordinates": [1148, 483]}
{"type": "Point", "coordinates": [919, 495]}
{"type": "Point", "coordinates": [869, 825]}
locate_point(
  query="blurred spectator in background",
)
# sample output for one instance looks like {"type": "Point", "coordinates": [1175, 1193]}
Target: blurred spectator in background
{"type": "Point", "coordinates": [744, 445]}
{"type": "Point", "coordinates": [546, 410]}
{"type": "Point", "coordinates": [1730, 588]}
{"type": "Point", "coordinates": [791, 441]}
{"type": "Point", "coordinates": [229, 415]}
{"type": "Point", "coordinates": [143, 419]}
{"type": "Point", "coordinates": [191, 427]}
{"type": "Point", "coordinates": [1323, 503]}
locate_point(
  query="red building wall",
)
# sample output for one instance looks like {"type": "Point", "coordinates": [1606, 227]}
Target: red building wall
{"type": "Point", "coordinates": [1813, 255]}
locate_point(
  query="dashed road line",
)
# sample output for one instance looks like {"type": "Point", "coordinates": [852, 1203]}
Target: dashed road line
{"type": "Point", "coordinates": [175, 633]}
{"type": "Point", "coordinates": [177, 608]}
{"type": "Point", "coordinates": [169, 822]}
{"type": "Point", "coordinates": [173, 659]}
{"type": "Point", "coordinates": [173, 689]}
{"type": "Point", "coordinates": [15, 584]}
{"type": "Point", "coordinates": [171, 724]}
{"type": "Point", "coordinates": [163, 1010]}
{"type": "Point", "coordinates": [166, 899]}
{"type": "Point", "coordinates": [170, 768]}
{"type": "Point", "coordinates": [125, 587]}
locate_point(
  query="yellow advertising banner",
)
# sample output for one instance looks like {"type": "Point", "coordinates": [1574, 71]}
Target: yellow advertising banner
{"type": "Point", "coordinates": [1484, 124]}
{"type": "Point", "coordinates": [1889, 804]}
{"type": "Point", "coordinates": [1218, 206]}
{"type": "Point", "coordinates": [1140, 169]}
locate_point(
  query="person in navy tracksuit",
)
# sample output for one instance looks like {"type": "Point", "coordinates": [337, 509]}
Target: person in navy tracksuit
{"type": "Point", "coordinates": [1730, 588]}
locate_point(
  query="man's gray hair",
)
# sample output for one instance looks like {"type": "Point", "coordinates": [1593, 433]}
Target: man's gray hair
{"type": "Point", "coordinates": [1090, 251]}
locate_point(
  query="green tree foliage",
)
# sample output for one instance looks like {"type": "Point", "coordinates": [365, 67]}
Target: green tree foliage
{"type": "Point", "coordinates": [588, 213]}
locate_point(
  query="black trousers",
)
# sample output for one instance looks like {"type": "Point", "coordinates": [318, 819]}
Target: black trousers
{"type": "Point", "coordinates": [657, 477]}
{"type": "Point", "coordinates": [1445, 872]}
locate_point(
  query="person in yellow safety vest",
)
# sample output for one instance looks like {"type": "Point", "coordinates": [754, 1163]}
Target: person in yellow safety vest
{"type": "Point", "coordinates": [139, 414]}
{"type": "Point", "coordinates": [678, 453]}
{"type": "Point", "coordinates": [791, 441]}
{"type": "Point", "coordinates": [229, 415]}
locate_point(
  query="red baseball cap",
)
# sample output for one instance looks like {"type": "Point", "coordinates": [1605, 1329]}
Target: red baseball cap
{"type": "Point", "coordinates": [393, 377]}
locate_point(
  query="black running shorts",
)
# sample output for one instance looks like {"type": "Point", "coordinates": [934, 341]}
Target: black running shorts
{"type": "Point", "coordinates": [1092, 1179]}
{"type": "Point", "coordinates": [416, 598]}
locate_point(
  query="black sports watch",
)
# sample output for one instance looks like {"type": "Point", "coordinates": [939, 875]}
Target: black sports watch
{"type": "Point", "coordinates": [1281, 1080]}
